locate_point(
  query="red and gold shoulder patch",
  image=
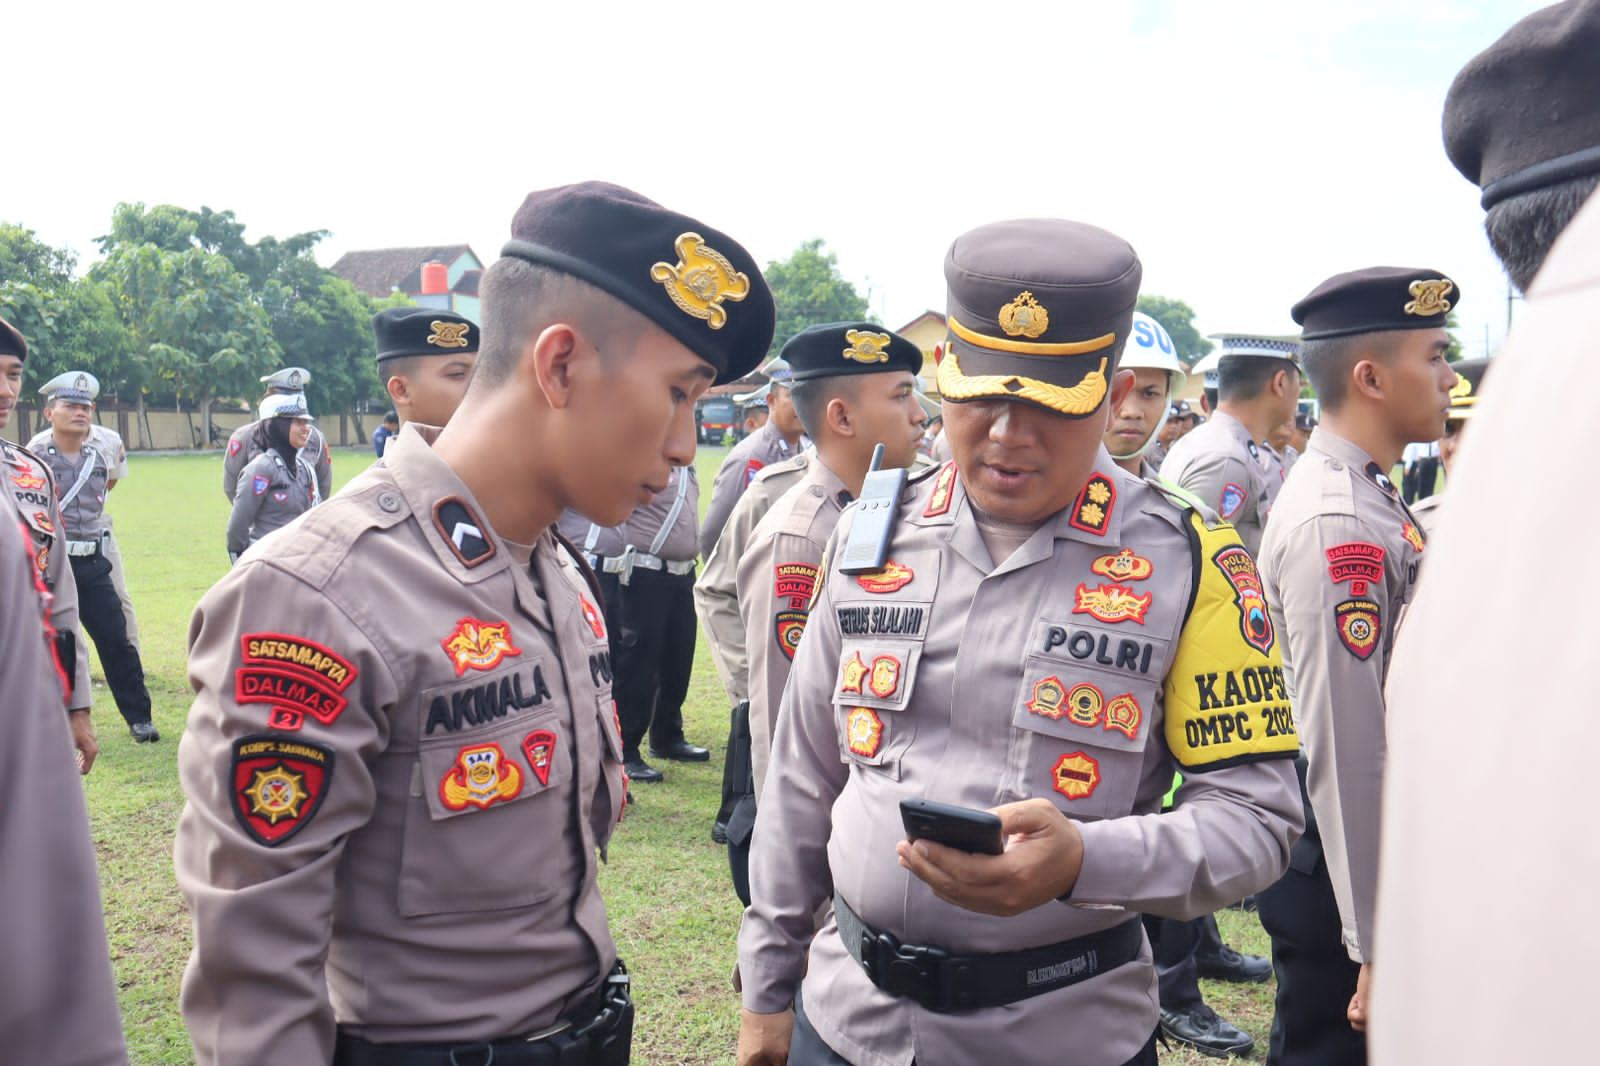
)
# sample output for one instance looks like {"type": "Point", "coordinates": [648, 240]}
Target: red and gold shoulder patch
{"type": "Point", "coordinates": [1357, 562]}
{"type": "Point", "coordinates": [1049, 696]}
{"type": "Point", "coordinates": [864, 731]}
{"type": "Point", "coordinates": [795, 582]}
{"type": "Point", "coordinates": [892, 578]}
{"type": "Point", "coordinates": [1413, 536]}
{"type": "Point", "coordinates": [1255, 623]}
{"type": "Point", "coordinates": [1091, 511]}
{"type": "Point", "coordinates": [479, 645]}
{"type": "Point", "coordinates": [752, 467]}
{"type": "Point", "coordinates": [943, 492]}
{"type": "Point", "coordinates": [540, 748]}
{"type": "Point", "coordinates": [1359, 624]}
{"type": "Point", "coordinates": [789, 627]}
{"type": "Point", "coordinates": [28, 482]}
{"type": "Point", "coordinates": [294, 677]}
{"type": "Point", "coordinates": [1112, 603]}
{"type": "Point", "coordinates": [1075, 775]}
{"type": "Point", "coordinates": [481, 776]}
{"type": "Point", "coordinates": [278, 785]}
{"type": "Point", "coordinates": [591, 614]}
{"type": "Point", "coordinates": [1123, 566]}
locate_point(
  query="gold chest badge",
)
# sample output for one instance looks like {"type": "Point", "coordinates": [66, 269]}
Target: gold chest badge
{"type": "Point", "coordinates": [866, 347]}
{"type": "Point", "coordinates": [1024, 317]}
{"type": "Point", "coordinates": [449, 334]}
{"type": "Point", "coordinates": [1428, 297]}
{"type": "Point", "coordinates": [701, 280]}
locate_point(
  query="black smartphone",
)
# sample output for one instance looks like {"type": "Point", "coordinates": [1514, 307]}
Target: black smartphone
{"type": "Point", "coordinates": [955, 827]}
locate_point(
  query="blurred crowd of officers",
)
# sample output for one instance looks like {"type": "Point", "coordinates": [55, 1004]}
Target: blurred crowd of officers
{"type": "Point", "coordinates": [1176, 659]}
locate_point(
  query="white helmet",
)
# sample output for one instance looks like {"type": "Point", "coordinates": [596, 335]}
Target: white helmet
{"type": "Point", "coordinates": [1150, 347]}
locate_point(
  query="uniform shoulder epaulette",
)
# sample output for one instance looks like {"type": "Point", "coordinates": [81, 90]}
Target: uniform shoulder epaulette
{"type": "Point", "coordinates": [919, 476]}
{"type": "Point", "coordinates": [34, 458]}
{"type": "Point", "coordinates": [1185, 500]}
{"type": "Point", "coordinates": [793, 463]}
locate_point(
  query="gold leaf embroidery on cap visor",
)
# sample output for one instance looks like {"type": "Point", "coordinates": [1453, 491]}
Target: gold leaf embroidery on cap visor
{"type": "Point", "coordinates": [701, 280]}
{"type": "Point", "coordinates": [449, 334]}
{"type": "Point", "coordinates": [1461, 392]}
{"type": "Point", "coordinates": [866, 347]}
{"type": "Point", "coordinates": [1024, 316]}
{"type": "Point", "coordinates": [1428, 297]}
{"type": "Point", "coordinates": [1079, 399]}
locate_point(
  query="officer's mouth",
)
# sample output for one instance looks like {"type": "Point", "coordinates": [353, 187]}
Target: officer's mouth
{"type": "Point", "coordinates": [1007, 478]}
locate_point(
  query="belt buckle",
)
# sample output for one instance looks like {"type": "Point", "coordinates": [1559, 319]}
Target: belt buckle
{"type": "Point", "coordinates": [909, 970]}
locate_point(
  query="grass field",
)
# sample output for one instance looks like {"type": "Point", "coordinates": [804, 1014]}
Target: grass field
{"type": "Point", "coordinates": [672, 909]}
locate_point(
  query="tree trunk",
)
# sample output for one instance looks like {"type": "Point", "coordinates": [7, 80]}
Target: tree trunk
{"type": "Point", "coordinates": [146, 438]}
{"type": "Point", "coordinates": [361, 432]}
{"type": "Point", "coordinates": [205, 420]}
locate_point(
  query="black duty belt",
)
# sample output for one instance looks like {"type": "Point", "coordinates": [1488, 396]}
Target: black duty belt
{"type": "Point", "coordinates": [603, 1039]}
{"type": "Point", "coordinates": [943, 982]}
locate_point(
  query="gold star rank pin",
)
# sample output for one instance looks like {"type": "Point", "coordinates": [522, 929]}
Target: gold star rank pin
{"type": "Point", "coordinates": [1024, 317]}
{"type": "Point", "coordinates": [701, 280]}
{"type": "Point", "coordinates": [1428, 297]}
{"type": "Point", "coordinates": [449, 334]}
{"type": "Point", "coordinates": [866, 347]}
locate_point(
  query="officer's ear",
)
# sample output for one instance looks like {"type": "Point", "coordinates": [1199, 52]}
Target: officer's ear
{"type": "Point", "coordinates": [399, 390]}
{"type": "Point", "coordinates": [555, 361]}
{"type": "Point", "coordinates": [1367, 380]}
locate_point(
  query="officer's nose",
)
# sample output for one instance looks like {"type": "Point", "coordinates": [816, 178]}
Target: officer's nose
{"type": "Point", "coordinates": [680, 437]}
{"type": "Point", "coordinates": [1008, 427]}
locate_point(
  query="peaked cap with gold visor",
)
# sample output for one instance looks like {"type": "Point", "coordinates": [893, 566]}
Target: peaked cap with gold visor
{"type": "Point", "coordinates": [1039, 310]}
{"type": "Point", "coordinates": [1468, 387]}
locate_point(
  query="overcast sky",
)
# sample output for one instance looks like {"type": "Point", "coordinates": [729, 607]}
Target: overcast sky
{"type": "Point", "coordinates": [1246, 149]}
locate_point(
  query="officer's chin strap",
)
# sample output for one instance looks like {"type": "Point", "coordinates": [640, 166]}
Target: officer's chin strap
{"type": "Point", "coordinates": [1166, 412]}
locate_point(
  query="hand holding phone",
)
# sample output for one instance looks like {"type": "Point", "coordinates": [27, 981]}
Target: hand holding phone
{"type": "Point", "coordinates": [961, 828]}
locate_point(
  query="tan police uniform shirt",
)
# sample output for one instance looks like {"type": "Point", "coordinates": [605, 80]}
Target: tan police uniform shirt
{"type": "Point", "coordinates": [58, 1001]}
{"type": "Point", "coordinates": [1220, 463]}
{"type": "Point", "coordinates": [269, 498]}
{"type": "Point", "coordinates": [396, 788]}
{"type": "Point", "coordinates": [242, 448]}
{"type": "Point", "coordinates": [716, 591]}
{"type": "Point", "coordinates": [32, 491]}
{"type": "Point", "coordinates": [594, 540]}
{"type": "Point", "coordinates": [762, 448]}
{"type": "Point", "coordinates": [675, 509]}
{"type": "Point", "coordinates": [1084, 670]}
{"type": "Point", "coordinates": [85, 477]}
{"type": "Point", "coordinates": [777, 575]}
{"type": "Point", "coordinates": [1426, 512]}
{"type": "Point", "coordinates": [1340, 560]}
{"type": "Point", "coordinates": [1490, 859]}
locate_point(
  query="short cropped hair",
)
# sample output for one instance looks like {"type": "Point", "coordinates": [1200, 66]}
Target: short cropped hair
{"type": "Point", "coordinates": [1241, 378]}
{"type": "Point", "coordinates": [519, 298]}
{"type": "Point", "coordinates": [811, 399]}
{"type": "Point", "coordinates": [1329, 360]}
{"type": "Point", "coordinates": [1522, 229]}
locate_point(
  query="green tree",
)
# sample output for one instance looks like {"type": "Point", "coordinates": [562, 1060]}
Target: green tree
{"type": "Point", "coordinates": [70, 323]}
{"type": "Point", "coordinates": [1453, 325]}
{"type": "Point", "coordinates": [809, 289]}
{"type": "Point", "coordinates": [1178, 319]}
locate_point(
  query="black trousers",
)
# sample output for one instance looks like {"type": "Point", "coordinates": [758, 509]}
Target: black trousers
{"type": "Point", "coordinates": [653, 629]}
{"type": "Point", "coordinates": [100, 611]}
{"type": "Point", "coordinates": [1315, 975]}
{"type": "Point", "coordinates": [1175, 945]}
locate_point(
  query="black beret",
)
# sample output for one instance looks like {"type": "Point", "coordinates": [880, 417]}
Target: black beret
{"type": "Point", "coordinates": [840, 348]}
{"type": "Point", "coordinates": [1525, 113]}
{"type": "Point", "coordinates": [1468, 387]}
{"type": "Point", "coordinates": [403, 331]}
{"type": "Point", "coordinates": [1039, 310]}
{"type": "Point", "coordinates": [1376, 300]}
{"type": "Point", "coordinates": [12, 342]}
{"type": "Point", "coordinates": [695, 282]}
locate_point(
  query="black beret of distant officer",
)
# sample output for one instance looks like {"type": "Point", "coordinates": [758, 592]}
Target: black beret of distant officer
{"type": "Point", "coordinates": [693, 281]}
{"type": "Point", "coordinates": [1525, 113]}
{"type": "Point", "coordinates": [12, 342]}
{"type": "Point", "coordinates": [1468, 387]}
{"type": "Point", "coordinates": [406, 331]}
{"type": "Point", "coordinates": [1376, 300]}
{"type": "Point", "coordinates": [838, 349]}
{"type": "Point", "coordinates": [1039, 310]}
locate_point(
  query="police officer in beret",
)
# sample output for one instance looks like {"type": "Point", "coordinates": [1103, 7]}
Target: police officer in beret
{"type": "Point", "coordinates": [30, 487]}
{"type": "Point", "coordinates": [425, 359]}
{"type": "Point", "coordinates": [1340, 561]}
{"type": "Point", "coordinates": [1222, 462]}
{"type": "Point", "coordinates": [854, 389]}
{"type": "Point", "coordinates": [58, 999]}
{"type": "Point", "coordinates": [395, 816]}
{"type": "Point", "coordinates": [83, 476]}
{"type": "Point", "coordinates": [1049, 638]}
{"type": "Point", "coordinates": [289, 380]}
{"type": "Point", "coordinates": [1464, 397]}
{"type": "Point", "coordinates": [1522, 121]}
{"type": "Point", "coordinates": [774, 442]}
{"type": "Point", "coordinates": [278, 485]}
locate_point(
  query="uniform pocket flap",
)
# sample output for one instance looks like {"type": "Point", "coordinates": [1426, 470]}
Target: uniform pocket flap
{"type": "Point", "coordinates": [490, 768]}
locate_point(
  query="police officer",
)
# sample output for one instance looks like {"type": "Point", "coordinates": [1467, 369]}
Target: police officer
{"type": "Point", "coordinates": [854, 389]}
{"type": "Point", "coordinates": [774, 442]}
{"type": "Point", "coordinates": [1221, 462]}
{"type": "Point", "coordinates": [1050, 638]}
{"type": "Point", "coordinates": [425, 359]}
{"type": "Point", "coordinates": [29, 486]}
{"type": "Point", "coordinates": [58, 1000]}
{"type": "Point", "coordinates": [646, 571]}
{"type": "Point", "coordinates": [1135, 427]}
{"type": "Point", "coordinates": [1464, 396]}
{"type": "Point", "coordinates": [241, 449]}
{"type": "Point", "coordinates": [109, 445]}
{"type": "Point", "coordinates": [1340, 561]}
{"type": "Point", "coordinates": [393, 819]}
{"type": "Point", "coordinates": [81, 475]}
{"type": "Point", "coordinates": [279, 484]}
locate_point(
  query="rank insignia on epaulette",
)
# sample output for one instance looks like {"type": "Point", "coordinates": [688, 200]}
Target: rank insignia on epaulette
{"type": "Point", "coordinates": [463, 531]}
{"type": "Point", "coordinates": [1091, 511]}
{"type": "Point", "coordinates": [278, 784]}
{"type": "Point", "coordinates": [943, 492]}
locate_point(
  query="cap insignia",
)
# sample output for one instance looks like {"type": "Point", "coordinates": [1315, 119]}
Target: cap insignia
{"type": "Point", "coordinates": [866, 347]}
{"type": "Point", "coordinates": [1024, 317]}
{"type": "Point", "coordinates": [701, 280]}
{"type": "Point", "coordinates": [81, 382]}
{"type": "Point", "coordinates": [1428, 297]}
{"type": "Point", "coordinates": [294, 379]}
{"type": "Point", "coordinates": [449, 334]}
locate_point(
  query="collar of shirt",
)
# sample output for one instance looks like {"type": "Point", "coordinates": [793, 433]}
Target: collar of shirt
{"type": "Point", "coordinates": [818, 474]}
{"type": "Point", "coordinates": [427, 482]}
